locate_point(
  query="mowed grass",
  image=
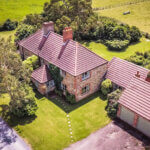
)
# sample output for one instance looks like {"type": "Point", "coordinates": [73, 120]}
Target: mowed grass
{"type": "Point", "coordinates": [103, 3]}
{"type": "Point", "coordinates": [17, 9]}
{"type": "Point", "coordinates": [103, 51]}
{"type": "Point", "coordinates": [139, 16]}
{"type": "Point", "coordinates": [49, 130]}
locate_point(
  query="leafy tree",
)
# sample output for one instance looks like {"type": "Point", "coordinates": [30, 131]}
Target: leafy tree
{"type": "Point", "coordinates": [106, 87]}
{"type": "Point", "coordinates": [31, 63]}
{"type": "Point", "coordinates": [14, 80]}
{"type": "Point", "coordinates": [24, 31]}
{"type": "Point", "coordinates": [112, 104]}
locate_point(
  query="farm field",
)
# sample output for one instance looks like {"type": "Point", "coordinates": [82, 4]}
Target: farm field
{"type": "Point", "coordinates": [17, 9]}
{"type": "Point", "coordinates": [139, 14]}
{"type": "Point", "coordinates": [49, 130]}
{"type": "Point", "coordinates": [103, 3]}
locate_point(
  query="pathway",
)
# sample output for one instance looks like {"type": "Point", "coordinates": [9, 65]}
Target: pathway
{"type": "Point", "coordinates": [9, 139]}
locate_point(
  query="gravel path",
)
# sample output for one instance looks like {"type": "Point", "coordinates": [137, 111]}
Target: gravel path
{"type": "Point", "coordinates": [114, 136]}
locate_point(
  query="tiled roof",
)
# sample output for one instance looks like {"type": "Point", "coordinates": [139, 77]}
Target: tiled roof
{"type": "Point", "coordinates": [121, 71]}
{"type": "Point", "coordinates": [41, 74]}
{"type": "Point", "coordinates": [71, 56]}
{"type": "Point", "coordinates": [136, 97]}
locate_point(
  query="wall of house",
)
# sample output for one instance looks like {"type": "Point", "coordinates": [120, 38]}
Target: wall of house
{"type": "Point", "coordinates": [25, 52]}
{"type": "Point", "coordinates": [96, 77]}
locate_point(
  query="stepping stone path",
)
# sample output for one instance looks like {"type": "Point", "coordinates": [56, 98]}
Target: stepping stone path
{"type": "Point", "coordinates": [68, 119]}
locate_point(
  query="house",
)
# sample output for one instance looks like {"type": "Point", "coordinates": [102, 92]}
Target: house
{"type": "Point", "coordinates": [81, 69]}
{"type": "Point", "coordinates": [134, 103]}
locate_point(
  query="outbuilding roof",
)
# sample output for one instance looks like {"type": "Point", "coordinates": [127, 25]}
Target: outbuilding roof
{"type": "Point", "coordinates": [71, 56]}
{"type": "Point", "coordinates": [136, 97]}
{"type": "Point", "coordinates": [42, 74]}
{"type": "Point", "coordinates": [121, 71]}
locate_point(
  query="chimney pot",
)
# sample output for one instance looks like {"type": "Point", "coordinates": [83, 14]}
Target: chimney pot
{"type": "Point", "coordinates": [138, 74]}
{"type": "Point", "coordinates": [67, 34]}
{"type": "Point", "coordinates": [47, 27]}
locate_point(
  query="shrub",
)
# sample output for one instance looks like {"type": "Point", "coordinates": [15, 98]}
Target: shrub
{"type": "Point", "coordinates": [24, 31]}
{"type": "Point", "coordinates": [70, 98]}
{"type": "Point", "coordinates": [117, 44]}
{"type": "Point", "coordinates": [31, 63]}
{"type": "Point", "coordinates": [106, 87]}
{"type": "Point", "coordinates": [135, 34]}
{"type": "Point", "coordinates": [9, 25]}
{"type": "Point", "coordinates": [112, 104]}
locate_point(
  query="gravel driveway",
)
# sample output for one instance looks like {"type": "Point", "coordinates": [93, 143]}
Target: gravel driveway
{"type": "Point", "coordinates": [9, 139]}
{"type": "Point", "coordinates": [115, 136]}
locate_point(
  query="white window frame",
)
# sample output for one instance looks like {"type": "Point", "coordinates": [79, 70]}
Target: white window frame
{"type": "Point", "coordinates": [62, 73]}
{"type": "Point", "coordinates": [63, 87]}
{"type": "Point", "coordinates": [85, 75]}
{"type": "Point", "coordinates": [50, 83]}
{"type": "Point", "coordinates": [87, 89]}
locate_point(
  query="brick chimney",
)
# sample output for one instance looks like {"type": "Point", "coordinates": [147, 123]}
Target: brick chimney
{"type": "Point", "coordinates": [67, 34]}
{"type": "Point", "coordinates": [48, 26]}
{"type": "Point", "coordinates": [148, 77]}
{"type": "Point", "coordinates": [137, 74]}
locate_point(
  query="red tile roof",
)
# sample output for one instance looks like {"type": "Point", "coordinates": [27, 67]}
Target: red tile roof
{"type": "Point", "coordinates": [121, 71]}
{"type": "Point", "coordinates": [136, 97]}
{"type": "Point", "coordinates": [42, 74]}
{"type": "Point", "coordinates": [72, 57]}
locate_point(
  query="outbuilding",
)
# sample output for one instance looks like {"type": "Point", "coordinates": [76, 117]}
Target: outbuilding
{"type": "Point", "coordinates": [134, 105]}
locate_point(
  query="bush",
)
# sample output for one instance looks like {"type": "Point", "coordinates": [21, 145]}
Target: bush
{"type": "Point", "coordinates": [70, 98]}
{"type": "Point", "coordinates": [117, 44]}
{"type": "Point", "coordinates": [135, 34]}
{"type": "Point", "coordinates": [9, 25]}
{"type": "Point", "coordinates": [106, 87]}
{"type": "Point", "coordinates": [31, 63]}
{"type": "Point", "coordinates": [112, 104]}
{"type": "Point", "coordinates": [24, 31]}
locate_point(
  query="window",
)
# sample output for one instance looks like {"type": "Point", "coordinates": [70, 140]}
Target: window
{"type": "Point", "coordinates": [85, 75]}
{"type": "Point", "coordinates": [50, 83]}
{"type": "Point", "coordinates": [86, 89]}
{"type": "Point", "coordinates": [62, 73]}
{"type": "Point", "coordinates": [36, 84]}
{"type": "Point", "coordinates": [42, 61]}
{"type": "Point", "coordinates": [63, 87]}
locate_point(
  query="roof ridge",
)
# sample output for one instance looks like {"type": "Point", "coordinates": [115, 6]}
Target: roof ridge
{"type": "Point", "coordinates": [29, 36]}
{"type": "Point", "coordinates": [76, 53]}
{"type": "Point", "coordinates": [131, 63]}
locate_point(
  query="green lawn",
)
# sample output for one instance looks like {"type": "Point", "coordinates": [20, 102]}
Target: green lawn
{"type": "Point", "coordinates": [103, 3]}
{"type": "Point", "coordinates": [103, 51]}
{"type": "Point", "coordinates": [17, 9]}
{"type": "Point", "coordinates": [49, 130]}
{"type": "Point", "coordinates": [139, 16]}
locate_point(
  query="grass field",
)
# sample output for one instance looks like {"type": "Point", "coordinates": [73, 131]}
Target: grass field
{"type": "Point", "coordinates": [17, 9]}
{"type": "Point", "coordinates": [103, 51]}
{"type": "Point", "coordinates": [49, 130]}
{"type": "Point", "coordinates": [139, 16]}
{"type": "Point", "coordinates": [103, 3]}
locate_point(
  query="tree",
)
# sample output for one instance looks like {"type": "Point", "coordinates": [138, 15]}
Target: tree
{"type": "Point", "coordinates": [14, 80]}
{"type": "Point", "coordinates": [24, 31]}
{"type": "Point", "coordinates": [106, 87]}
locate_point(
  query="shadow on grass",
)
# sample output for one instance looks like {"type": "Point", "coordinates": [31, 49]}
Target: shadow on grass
{"type": "Point", "coordinates": [63, 104]}
{"type": "Point", "coordinates": [133, 132]}
{"type": "Point", "coordinates": [13, 120]}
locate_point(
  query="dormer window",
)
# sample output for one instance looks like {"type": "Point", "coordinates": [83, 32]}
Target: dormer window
{"type": "Point", "coordinates": [62, 73]}
{"type": "Point", "coordinates": [85, 75]}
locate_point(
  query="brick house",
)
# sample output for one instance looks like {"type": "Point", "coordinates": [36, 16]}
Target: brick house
{"type": "Point", "coordinates": [81, 69]}
{"type": "Point", "coordinates": [134, 103]}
